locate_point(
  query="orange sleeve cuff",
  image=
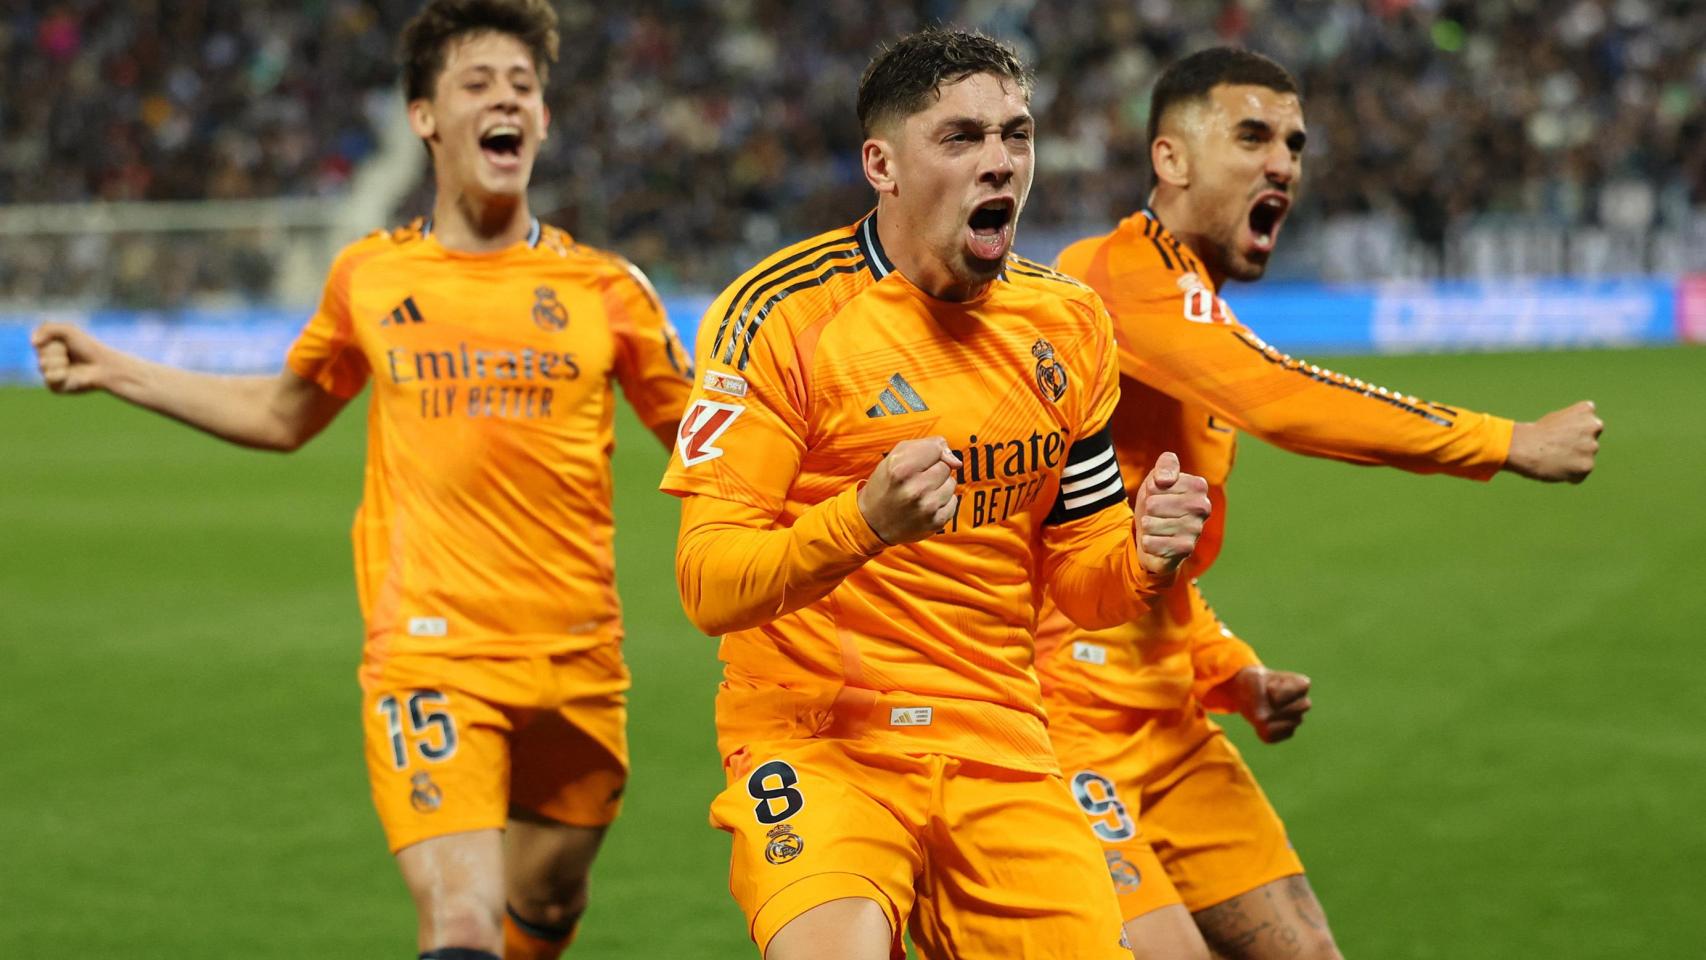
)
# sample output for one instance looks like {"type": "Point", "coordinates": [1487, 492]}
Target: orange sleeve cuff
{"type": "Point", "coordinates": [1498, 449]}
{"type": "Point", "coordinates": [737, 568]}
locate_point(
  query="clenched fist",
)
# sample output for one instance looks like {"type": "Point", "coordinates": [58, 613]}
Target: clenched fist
{"type": "Point", "coordinates": [911, 493]}
{"type": "Point", "coordinates": [70, 360]}
{"type": "Point", "coordinates": [1168, 515]}
{"type": "Point", "coordinates": [1273, 701]}
{"type": "Point", "coordinates": [1560, 446]}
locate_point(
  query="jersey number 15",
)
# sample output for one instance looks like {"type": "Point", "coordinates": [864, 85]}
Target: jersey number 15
{"type": "Point", "coordinates": [430, 729]}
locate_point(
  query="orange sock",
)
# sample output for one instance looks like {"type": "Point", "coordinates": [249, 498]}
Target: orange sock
{"type": "Point", "coordinates": [524, 940]}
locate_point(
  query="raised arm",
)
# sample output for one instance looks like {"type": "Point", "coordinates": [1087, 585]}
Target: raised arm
{"type": "Point", "coordinates": [280, 412]}
{"type": "Point", "coordinates": [738, 568]}
{"type": "Point", "coordinates": [1103, 566]}
{"type": "Point", "coordinates": [655, 370]}
{"type": "Point", "coordinates": [1178, 337]}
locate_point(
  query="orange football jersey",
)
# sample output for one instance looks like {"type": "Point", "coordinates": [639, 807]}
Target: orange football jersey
{"type": "Point", "coordinates": [1191, 376]}
{"type": "Point", "coordinates": [815, 364]}
{"type": "Point", "coordinates": [485, 523]}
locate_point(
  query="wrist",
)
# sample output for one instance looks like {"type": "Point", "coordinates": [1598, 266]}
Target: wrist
{"type": "Point", "coordinates": [865, 519]}
{"type": "Point", "coordinates": [1516, 456]}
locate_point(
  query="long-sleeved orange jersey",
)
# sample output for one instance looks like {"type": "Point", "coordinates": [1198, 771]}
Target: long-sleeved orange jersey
{"type": "Point", "coordinates": [1191, 375]}
{"type": "Point", "coordinates": [485, 526]}
{"type": "Point", "coordinates": [814, 365]}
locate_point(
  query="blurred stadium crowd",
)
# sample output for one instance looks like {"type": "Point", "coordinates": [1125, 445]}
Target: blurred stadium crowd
{"type": "Point", "coordinates": [692, 135]}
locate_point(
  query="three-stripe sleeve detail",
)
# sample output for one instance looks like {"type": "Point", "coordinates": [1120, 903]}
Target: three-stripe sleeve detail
{"type": "Point", "coordinates": [751, 304]}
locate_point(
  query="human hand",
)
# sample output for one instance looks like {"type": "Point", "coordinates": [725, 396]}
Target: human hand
{"type": "Point", "coordinates": [70, 360]}
{"type": "Point", "coordinates": [1273, 701]}
{"type": "Point", "coordinates": [1560, 446]}
{"type": "Point", "coordinates": [911, 493]}
{"type": "Point", "coordinates": [1168, 515]}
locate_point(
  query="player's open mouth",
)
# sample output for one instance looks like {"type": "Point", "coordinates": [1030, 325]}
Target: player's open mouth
{"type": "Point", "coordinates": [501, 145]}
{"type": "Point", "coordinates": [990, 228]}
{"type": "Point", "coordinates": [1265, 218]}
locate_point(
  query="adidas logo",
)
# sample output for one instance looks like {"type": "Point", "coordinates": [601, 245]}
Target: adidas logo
{"type": "Point", "coordinates": [406, 312]}
{"type": "Point", "coordinates": [897, 398]}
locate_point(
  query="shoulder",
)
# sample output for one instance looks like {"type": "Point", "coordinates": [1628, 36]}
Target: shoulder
{"type": "Point", "coordinates": [1137, 267]}
{"type": "Point", "coordinates": [1029, 273]}
{"type": "Point", "coordinates": [1051, 288]}
{"type": "Point", "coordinates": [378, 247]}
{"type": "Point", "coordinates": [1166, 251]}
{"type": "Point", "coordinates": [834, 253]}
{"type": "Point", "coordinates": [1078, 256]}
{"type": "Point", "coordinates": [602, 267]}
{"type": "Point", "coordinates": [1141, 245]}
{"type": "Point", "coordinates": [389, 240]}
{"type": "Point", "coordinates": [789, 289]}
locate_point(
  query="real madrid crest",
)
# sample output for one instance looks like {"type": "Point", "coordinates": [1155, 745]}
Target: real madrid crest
{"type": "Point", "coordinates": [1126, 876]}
{"type": "Point", "coordinates": [549, 312]}
{"type": "Point", "coordinates": [1051, 373]}
{"type": "Point", "coordinates": [424, 795]}
{"type": "Point", "coordinates": [784, 844]}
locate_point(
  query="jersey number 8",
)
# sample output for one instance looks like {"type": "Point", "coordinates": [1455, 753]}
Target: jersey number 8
{"type": "Point", "coordinates": [432, 731]}
{"type": "Point", "coordinates": [774, 783]}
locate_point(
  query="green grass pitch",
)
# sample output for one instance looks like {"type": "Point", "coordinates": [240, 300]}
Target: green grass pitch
{"type": "Point", "coordinates": [1507, 755]}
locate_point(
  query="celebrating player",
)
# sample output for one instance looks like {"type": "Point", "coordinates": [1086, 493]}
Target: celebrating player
{"type": "Point", "coordinates": [1187, 832]}
{"type": "Point", "coordinates": [492, 675]}
{"type": "Point", "coordinates": [899, 439]}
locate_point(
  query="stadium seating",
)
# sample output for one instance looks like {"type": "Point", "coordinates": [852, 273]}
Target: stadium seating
{"type": "Point", "coordinates": [693, 136]}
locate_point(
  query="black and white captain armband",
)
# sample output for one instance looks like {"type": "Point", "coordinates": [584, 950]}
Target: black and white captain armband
{"type": "Point", "coordinates": [1090, 481]}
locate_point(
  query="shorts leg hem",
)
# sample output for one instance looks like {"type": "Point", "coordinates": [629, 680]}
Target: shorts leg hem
{"type": "Point", "coordinates": [398, 840]}
{"type": "Point", "coordinates": [564, 820]}
{"type": "Point", "coordinates": [788, 903]}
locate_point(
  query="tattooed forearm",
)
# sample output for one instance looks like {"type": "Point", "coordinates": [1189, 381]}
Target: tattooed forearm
{"type": "Point", "coordinates": [1281, 920]}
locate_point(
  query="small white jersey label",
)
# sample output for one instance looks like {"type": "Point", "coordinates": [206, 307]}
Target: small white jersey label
{"type": "Point", "coordinates": [428, 627]}
{"type": "Point", "coordinates": [1090, 653]}
{"type": "Point", "coordinates": [732, 384]}
{"type": "Point", "coordinates": [910, 716]}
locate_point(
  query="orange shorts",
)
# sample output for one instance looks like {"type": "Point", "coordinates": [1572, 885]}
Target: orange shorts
{"type": "Point", "coordinates": [454, 742]}
{"type": "Point", "coordinates": [982, 861]}
{"type": "Point", "coordinates": [1180, 817]}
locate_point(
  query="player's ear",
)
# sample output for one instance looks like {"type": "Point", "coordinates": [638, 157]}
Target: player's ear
{"type": "Point", "coordinates": [422, 120]}
{"type": "Point", "coordinates": [878, 159]}
{"type": "Point", "coordinates": [1171, 162]}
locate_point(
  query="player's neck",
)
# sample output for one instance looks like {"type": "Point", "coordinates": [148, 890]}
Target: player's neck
{"type": "Point", "coordinates": [471, 224]}
{"type": "Point", "coordinates": [915, 262]}
{"type": "Point", "coordinates": [1175, 214]}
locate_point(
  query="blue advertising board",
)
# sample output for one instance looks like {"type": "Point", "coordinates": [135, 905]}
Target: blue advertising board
{"type": "Point", "coordinates": [1397, 317]}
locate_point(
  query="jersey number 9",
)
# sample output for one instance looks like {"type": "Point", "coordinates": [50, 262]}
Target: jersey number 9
{"type": "Point", "coordinates": [1108, 816]}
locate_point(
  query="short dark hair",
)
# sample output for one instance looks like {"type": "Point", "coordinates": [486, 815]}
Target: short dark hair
{"type": "Point", "coordinates": [1192, 78]}
{"type": "Point", "coordinates": [426, 38]}
{"type": "Point", "coordinates": [904, 75]}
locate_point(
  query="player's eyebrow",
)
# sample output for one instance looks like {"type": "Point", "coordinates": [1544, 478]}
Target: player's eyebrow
{"type": "Point", "coordinates": [1265, 130]}
{"type": "Point", "coordinates": [486, 70]}
{"type": "Point", "coordinates": [1260, 128]}
{"type": "Point", "coordinates": [975, 123]}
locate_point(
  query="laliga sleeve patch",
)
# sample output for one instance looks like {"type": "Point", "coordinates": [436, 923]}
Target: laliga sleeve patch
{"type": "Point", "coordinates": [701, 425]}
